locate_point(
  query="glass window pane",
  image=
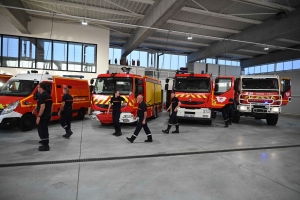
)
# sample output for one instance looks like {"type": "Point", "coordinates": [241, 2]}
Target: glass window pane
{"type": "Point", "coordinates": [228, 62]}
{"type": "Point", "coordinates": [271, 68]}
{"type": "Point", "coordinates": [111, 56]}
{"type": "Point", "coordinates": [75, 57]}
{"type": "Point", "coordinates": [135, 55]}
{"type": "Point", "coordinates": [221, 62]}
{"type": "Point", "coordinates": [264, 68]}
{"type": "Point", "coordinates": [246, 71]}
{"type": "Point", "coordinates": [143, 58]}
{"type": "Point", "coordinates": [251, 70]}
{"type": "Point", "coordinates": [117, 54]}
{"type": "Point", "coordinates": [10, 51]}
{"type": "Point", "coordinates": [165, 61]}
{"type": "Point", "coordinates": [288, 65]}
{"type": "Point", "coordinates": [59, 55]}
{"type": "Point", "coordinates": [174, 62]}
{"type": "Point", "coordinates": [44, 54]}
{"type": "Point", "coordinates": [182, 61]}
{"type": "Point", "coordinates": [151, 60]}
{"type": "Point", "coordinates": [296, 64]}
{"type": "Point", "coordinates": [257, 69]}
{"type": "Point", "coordinates": [279, 67]}
{"type": "Point", "coordinates": [27, 52]}
{"type": "Point", "coordinates": [89, 58]}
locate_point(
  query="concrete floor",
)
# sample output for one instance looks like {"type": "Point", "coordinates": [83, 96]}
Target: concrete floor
{"type": "Point", "coordinates": [249, 174]}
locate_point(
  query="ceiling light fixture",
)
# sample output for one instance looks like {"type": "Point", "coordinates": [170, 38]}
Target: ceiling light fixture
{"type": "Point", "coordinates": [266, 48]}
{"type": "Point", "coordinates": [84, 23]}
{"type": "Point", "coordinates": [190, 37]}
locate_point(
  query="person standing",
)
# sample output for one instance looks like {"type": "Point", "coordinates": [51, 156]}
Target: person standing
{"type": "Point", "coordinates": [65, 113]}
{"type": "Point", "coordinates": [44, 110]}
{"type": "Point", "coordinates": [116, 102]}
{"type": "Point", "coordinates": [175, 104]}
{"type": "Point", "coordinates": [142, 123]}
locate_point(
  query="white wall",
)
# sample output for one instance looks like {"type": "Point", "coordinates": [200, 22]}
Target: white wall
{"type": "Point", "coordinates": [40, 28]}
{"type": "Point", "coordinates": [134, 69]}
{"type": "Point", "coordinates": [226, 70]}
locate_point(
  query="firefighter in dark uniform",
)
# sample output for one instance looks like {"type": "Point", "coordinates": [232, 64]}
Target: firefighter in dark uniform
{"type": "Point", "coordinates": [65, 113]}
{"type": "Point", "coordinates": [142, 123]}
{"type": "Point", "coordinates": [116, 102]}
{"type": "Point", "coordinates": [175, 104]}
{"type": "Point", "coordinates": [44, 110]}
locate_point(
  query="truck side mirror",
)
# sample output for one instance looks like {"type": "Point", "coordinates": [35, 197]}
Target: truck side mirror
{"type": "Point", "coordinates": [217, 80]}
{"type": "Point", "coordinates": [92, 81]}
{"type": "Point", "coordinates": [216, 88]}
{"type": "Point", "coordinates": [166, 86]}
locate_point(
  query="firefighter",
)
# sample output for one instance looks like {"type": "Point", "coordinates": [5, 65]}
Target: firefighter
{"type": "Point", "coordinates": [116, 102]}
{"type": "Point", "coordinates": [175, 104]}
{"type": "Point", "coordinates": [227, 113]}
{"type": "Point", "coordinates": [65, 113]}
{"type": "Point", "coordinates": [142, 123]}
{"type": "Point", "coordinates": [44, 110]}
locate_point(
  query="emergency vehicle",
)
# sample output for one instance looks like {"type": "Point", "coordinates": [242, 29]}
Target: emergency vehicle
{"type": "Point", "coordinates": [129, 86]}
{"type": "Point", "coordinates": [18, 98]}
{"type": "Point", "coordinates": [261, 96]}
{"type": "Point", "coordinates": [3, 79]}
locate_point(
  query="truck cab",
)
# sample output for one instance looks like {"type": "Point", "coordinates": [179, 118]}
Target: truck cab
{"type": "Point", "coordinates": [3, 79]}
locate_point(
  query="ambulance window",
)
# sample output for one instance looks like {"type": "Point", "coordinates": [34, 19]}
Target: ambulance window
{"type": "Point", "coordinates": [224, 85]}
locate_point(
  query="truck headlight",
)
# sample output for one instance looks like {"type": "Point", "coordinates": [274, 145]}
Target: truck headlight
{"type": "Point", "coordinates": [10, 108]}
{"type": "Point", "coordinates": [275, 109]}
{"type": "Point", "coordinates": [206, 111]}
{"type": "Point", "coordinates": [243, 108]}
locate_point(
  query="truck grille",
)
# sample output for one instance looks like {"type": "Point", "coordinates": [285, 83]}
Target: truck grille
{"type": "Point", "coordinates": [192, 102]}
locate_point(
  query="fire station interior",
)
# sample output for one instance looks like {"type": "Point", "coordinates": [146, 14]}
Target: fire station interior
{"type": "Point", "coordinates": [233, 65]}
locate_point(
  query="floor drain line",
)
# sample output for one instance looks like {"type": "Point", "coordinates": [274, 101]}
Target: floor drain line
{"type": "Point", "coordinates": [142, 156]}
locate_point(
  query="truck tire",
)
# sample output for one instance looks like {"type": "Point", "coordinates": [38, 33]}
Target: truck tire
{"type": "Point", "coordinates": [236, 117]}
{"type": "Point", "coordinates": [27, 122]}
{"type": "Point", "coordinates": [272, 119]}
{"type": "Point", "coordinates": [208, 122]}
{"type": "Point", "coordinates": [81, 114]}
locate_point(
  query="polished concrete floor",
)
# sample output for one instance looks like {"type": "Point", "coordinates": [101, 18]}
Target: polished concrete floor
{"type": "Point", "coordinates": [261, 162]}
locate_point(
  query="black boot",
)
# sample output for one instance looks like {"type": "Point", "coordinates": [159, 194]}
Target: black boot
{"type": "Point", "coordinates": [149, 138]}
{"type": "Point", "coordinates": [115, 133]}
{"type": "Point", "coordinates": [40, 141]}
{"type": "Point", "coordinates": [44, 148]}
{"type": "Point", "coordinates": [229, 122]}
{"type": "Point", "coordinates": [131, 139]}
{"type": "Point", "coordinates": [167, 130]}
{"type": "Point", "coordinates": [226, 124]}
{"type": "Point", "coordinates": [119, 133]}
{"type": "Point", "coordinates": [177, 129]}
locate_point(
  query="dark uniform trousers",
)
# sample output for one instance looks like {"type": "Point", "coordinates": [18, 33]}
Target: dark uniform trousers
{"type": "Point", "coordinates": [43, 129]}
{"type": "Point", "coordinates": [227, 112]}
{"type": "Point", "coordinates": [116, 119]}
{"type": "Point", "coordinates": [173, 119]}
{"type": "Point", "coordinates": [65, 119]}
{"type": "Point", "coordinates": [139, 126]}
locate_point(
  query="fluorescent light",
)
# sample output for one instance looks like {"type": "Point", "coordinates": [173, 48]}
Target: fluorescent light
{"type": "Point", "coordinates": [190, 37]}
{"type": "Point", "coordinates": [84, 23]}
{"type": "Point", "coordinates": [266, 48]}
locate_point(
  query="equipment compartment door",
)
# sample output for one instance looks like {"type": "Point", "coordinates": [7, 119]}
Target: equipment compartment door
{"type": "Point", "coordinates": [223, 92]}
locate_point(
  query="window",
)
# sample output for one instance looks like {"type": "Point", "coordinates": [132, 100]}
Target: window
{"type": "Point", "coordinates": [109, 85]}
{"type": "Point", "coordinates": [165, 61]}
{"type": "Point", "coordinates": [60, 55]}
{"type": "Point", "coordinates": [264, 68]}
{"type": "Point", "coordinates": [246, 71]}
{"type": "Point", "coordinates": [117, 54]}
{"type": "Point", "coordinates": [135, 55]}
{"type": "Point", "coordinates": [271, 68]}
{"type": "Point", "coordinates": [224, 85]}
{"type": "Point", "coordinates": [296, 64]}
{"type": "Point", "coordinates": [279, 67]}
{"type": "Point", "coordinates": [89, 58]}
{"type": "Point", "coordinates": [235, 63]}
{"type": "Point", "coordinates": [257, 69]}
{"type": "Point", "coordinates": [143, 58]}
{"type": "Point", "coordinates": [221, 62]}
{"type": "Point", "coordinates": [44, 54]}
{"type": "Point", "coordinates": [211, 61]}
{"type": "Point", "coordinates": [288, 65]}
{"type": "Point", "coordinates": [10, 51]}
{"type": "Point", "coordinates": [182, 61]}
{"type": "Point", "coordinates": [191, 84]}
{"type": "Point", "coordinates": [18, 88]}
{"type": "Point", "coordinates": [75, 57]}
{"type": "Point", "coordinates": [251, 70]}
{"type": "Point", "coordinates": [228, 62]}
{"type": "Point", "coordinates": [27, 52]}
{"type": "Point", "coordinates": [151, 60]}
{"type": "Point", "coordinates": [174, 62]}
{"type": "Point", "coordinates": [111, 55]}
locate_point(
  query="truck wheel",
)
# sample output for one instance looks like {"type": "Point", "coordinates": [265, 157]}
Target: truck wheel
{"type": "Point", "coordinates": [208, 122]}
{"type": "Point", "coordinates": [272, 119]}
{"type": "Point", "coordinates": [81, 114]}
{"type": "Point", "coordinates": [257, 118]}
{"type": "Point", "coordinates": [27, 122]}
{"type": "Point", "coordinates": [236, 118]}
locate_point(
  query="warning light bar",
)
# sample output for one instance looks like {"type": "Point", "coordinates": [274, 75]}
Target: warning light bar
{"type": "Point", "coordinates": [74, 76]}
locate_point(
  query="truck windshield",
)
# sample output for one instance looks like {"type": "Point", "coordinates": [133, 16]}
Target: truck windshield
{"type": "Point", "coordinates": [260, 84]}
{"type": "Point", "coordinates": [18, 88]}
{"type": "Point", "coordinates": [191, 84]}
{"type": "Point", "coordinates": [111, 84]}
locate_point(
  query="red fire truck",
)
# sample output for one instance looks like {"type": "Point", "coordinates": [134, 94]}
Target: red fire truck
{"type": "Point", "coordinates": [129, 86]}
{"type": "Point", "coordinates": [261, 96]}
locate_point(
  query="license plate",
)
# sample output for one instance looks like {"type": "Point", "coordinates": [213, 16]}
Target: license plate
{"type": "Point", "coordinates": [125, 120]}
{"type": "Point", "coordinates": [205, 116]}
{"type": "Point", "coordinates": [189, 115]}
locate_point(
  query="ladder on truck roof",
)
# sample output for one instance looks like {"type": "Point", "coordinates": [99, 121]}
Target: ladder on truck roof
{"type": "Point", "coordinates": [74, 76]}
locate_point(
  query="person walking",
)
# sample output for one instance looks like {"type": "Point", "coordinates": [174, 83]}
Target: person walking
{"type": "Point", "coordinates": [116, 103]}
{"type": "Point", "coordinates": [142, 123]}
{"type": "Point", "coordinates": [175, 104]}
{"type": "Point", "coordinates": [65, 112]}
{"type": "Point", "coordinates": [227, 113]}
{"type": "Point", "coordinates": [44, 110]}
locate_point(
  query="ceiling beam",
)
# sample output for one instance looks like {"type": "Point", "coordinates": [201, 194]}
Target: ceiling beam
{"type": "Point", "coordinates": [240, 56]}
{"type": "Point", "coordinates": [186, 34]}
{"type": "Point", "coordinates": [18, 18]}
{"type": "Point", "coordinates": [260, 34]}
{"type": "Point", "coordinates": [266, 4]}
{"type": "Point", "coordinates": [219, 15]}
{"type": "Point", "coordinates": [150, 2]}
{"type": "Point", "coordinates": [168, 46]}
{"type": "Point", "coordinates": [288, 41]}
{"type": "Point", "coordinates": [157, 15]}
{"type": "Point", "coordinates": [177, 41]}
{"type": "Point", "coordinates": [252, 51]}
{"type": "Point", "coordinates": [202, 26]}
